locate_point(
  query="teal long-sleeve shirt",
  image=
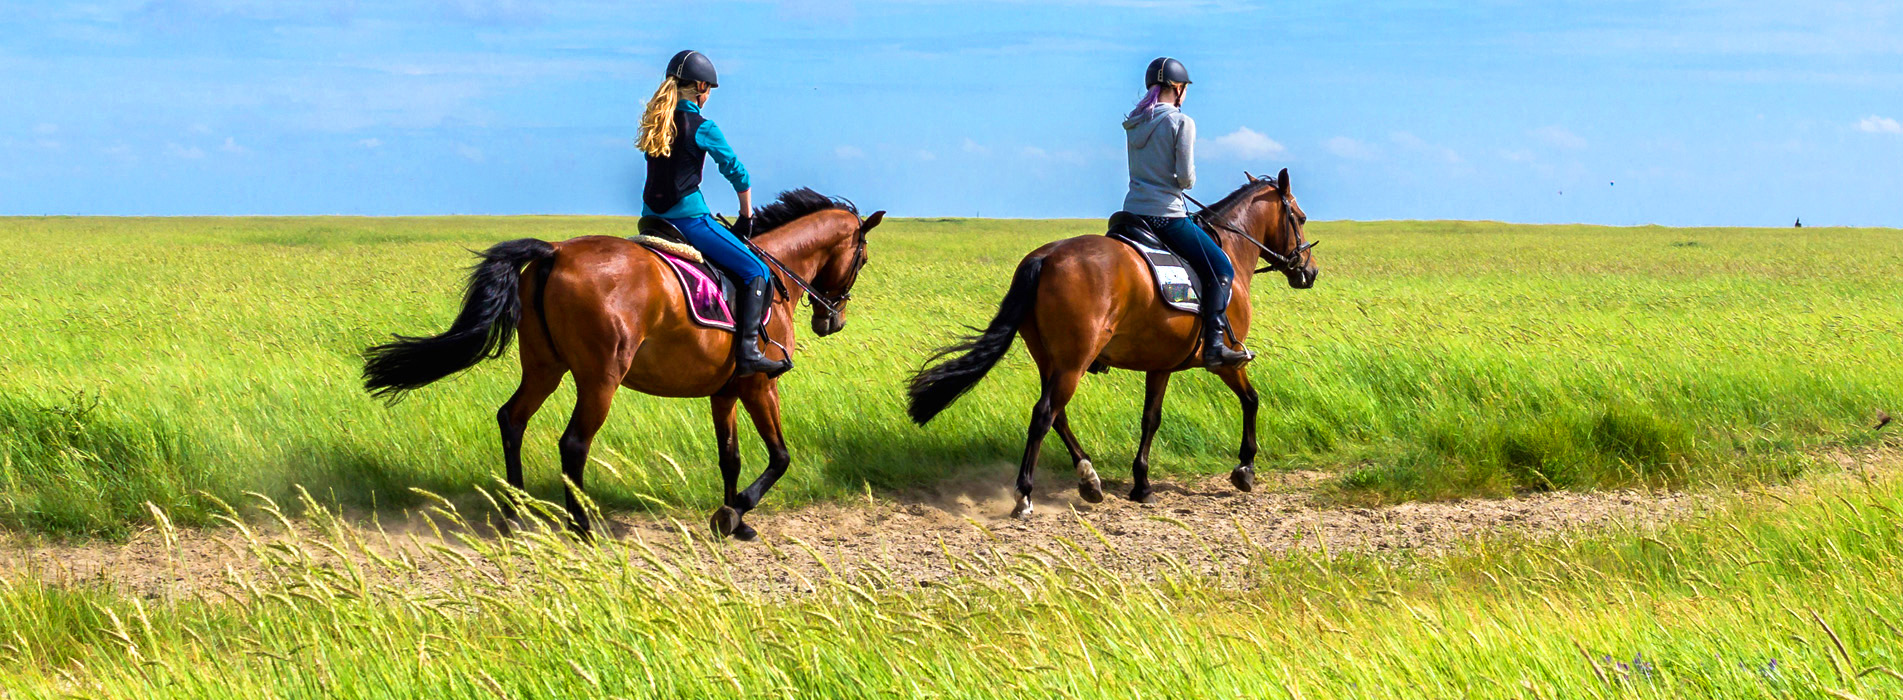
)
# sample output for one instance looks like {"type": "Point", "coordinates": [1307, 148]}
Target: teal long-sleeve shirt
{"type": "Point", "coordinates": [709, 138]}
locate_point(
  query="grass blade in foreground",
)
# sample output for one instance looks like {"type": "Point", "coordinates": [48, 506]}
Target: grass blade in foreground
{"type": "Point", "coordinates": [1760, 599]}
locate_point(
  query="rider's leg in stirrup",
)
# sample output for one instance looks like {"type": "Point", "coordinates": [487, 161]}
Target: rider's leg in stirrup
{"type": "Point", "coordinates": [1200, 251]}
{"type": "Point", "coordinates": [722, 248]}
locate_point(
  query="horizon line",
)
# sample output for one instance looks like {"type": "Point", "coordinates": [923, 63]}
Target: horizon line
{"type": "Point", "coordinates": [891, 216]}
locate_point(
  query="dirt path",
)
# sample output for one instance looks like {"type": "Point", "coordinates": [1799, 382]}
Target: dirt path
{"type": "Point", "coordinates": [1205, 525]}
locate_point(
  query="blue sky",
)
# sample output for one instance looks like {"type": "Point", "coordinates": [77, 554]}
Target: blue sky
{"type": "Point", "coordinates": [1749, 113]}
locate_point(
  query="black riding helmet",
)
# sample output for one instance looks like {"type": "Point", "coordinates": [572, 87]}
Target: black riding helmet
{"type": "Point", "coordinates": [1162, 70]}
{"type": "Point", "coordinates": [692, 67]}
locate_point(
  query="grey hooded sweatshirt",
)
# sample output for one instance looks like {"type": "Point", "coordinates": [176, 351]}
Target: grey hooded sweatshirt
{"type": "Point", "coordinates": [1162, 163]}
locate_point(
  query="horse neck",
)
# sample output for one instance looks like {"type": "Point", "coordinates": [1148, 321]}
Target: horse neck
{"type": "Point", "coordinates": [803, 246]}
{"type": "Point", "coordinates": [1249, 219]}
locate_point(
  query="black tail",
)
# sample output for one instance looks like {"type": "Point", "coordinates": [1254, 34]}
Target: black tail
{"type": "Point", "coordinates": [936, 387]}
{"type": "Point", "coordinates": [481, 331]}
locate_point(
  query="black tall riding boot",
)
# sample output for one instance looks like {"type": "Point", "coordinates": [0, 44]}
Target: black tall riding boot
{"type": "Point", "coordinates": [1215, 308]}
{"type": "Point", "coordinates": [752, 308]}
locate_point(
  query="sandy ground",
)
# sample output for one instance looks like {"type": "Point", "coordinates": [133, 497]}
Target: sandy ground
{"type": "Point", "coordinates": [1205, 525]}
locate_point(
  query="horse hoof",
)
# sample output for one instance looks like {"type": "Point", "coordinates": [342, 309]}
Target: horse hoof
{"type": "Point", "coordinates": [745, 533]}
{"type": "Point", "coordinates": [1243, 477]}
{"type": "Point", "coordinates": [726, 521]}
{"type": "Point", "coordinates": [1023, 509]}
{"type": "Point", "coordinates": [1143, 496]}
{"type": "Point", "coordinates": [1088, 485]}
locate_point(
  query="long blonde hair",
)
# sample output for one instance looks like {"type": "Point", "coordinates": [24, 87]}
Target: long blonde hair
{"type": "Point", "coordinates": [657, 121]}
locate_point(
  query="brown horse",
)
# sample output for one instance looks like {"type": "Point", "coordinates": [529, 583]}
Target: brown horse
{"type": "Point", "coordinates": [1088, 303]}
{"type": "Point", "coordinates": [611, 312]}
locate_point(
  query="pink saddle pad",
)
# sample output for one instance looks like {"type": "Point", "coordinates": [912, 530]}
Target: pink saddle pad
{"type": "Point", "coordinates": [706, 291]}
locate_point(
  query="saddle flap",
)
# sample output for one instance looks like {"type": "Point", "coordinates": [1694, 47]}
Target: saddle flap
{"type": "Point", "coordinates": [712, 295]}
{"type": "Point", "coordinates": [1177, 285]}
{"type": "Point", "coordinates": [659, 228]}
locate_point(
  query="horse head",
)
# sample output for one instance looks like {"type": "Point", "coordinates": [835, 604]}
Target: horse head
{"type": "Point", "coordinates": [837, 275]}
{"type": "Point", "coordinates": [1277, 218]}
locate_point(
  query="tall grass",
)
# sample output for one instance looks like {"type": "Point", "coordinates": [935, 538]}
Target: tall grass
{"type": "Point", "coordinates": [148, 359]}
{"type": "Point", "coordinates": [1789, 601]}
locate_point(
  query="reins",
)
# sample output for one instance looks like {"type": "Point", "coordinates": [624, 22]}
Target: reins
{"type": "Point", "coordinates": [1279, 261]}
{"type": "Point", "coordinates": [824, 302]}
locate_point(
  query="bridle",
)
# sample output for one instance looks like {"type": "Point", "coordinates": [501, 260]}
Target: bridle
{"type": "Point", "coordinates": [1278, 262]}
{"type": "Point", "coordinates": [832, 304]}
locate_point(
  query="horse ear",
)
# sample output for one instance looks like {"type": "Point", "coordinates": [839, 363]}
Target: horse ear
{"type": "Point", "coordinates": [872, 221]}
{"type": "Point", "coordinates": [1249, 175]}
{"type": "Point", "coordinates": [1281, 181]}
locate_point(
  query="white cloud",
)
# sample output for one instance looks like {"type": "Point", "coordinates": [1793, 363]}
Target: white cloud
{"type": "Point", "coordinates": [975, 148]}
{"type": "Point", "coordinates": [1247, 143]}
{"type": "Point", "coordinates": [1073, 156]}
{"type": "Point", "coordinates": [1417, 144]}
{"type": "Point", "coordinates": [471, 153]}
{"type": "Point", "coordinates": [44, 129]}
{"type": "Point", "coordinates": [187, 152]}
{"type": "Point", "coordinates": [1879, 125]}
{"type": "Point", "coordinates": [1518, 156]}
{"type": "Point", "coordinates": [1557, 135]}
{"type": "Point", "coordinates": [927, 155]}
{"type": "Point", "coordinates": [1351, 148]}
{"type": "Point", "coordinates": [378, 143]}
{"type": "Point", "coordinates": [849, 153]}
{"type": "Point", "coordinates": [231, 146]}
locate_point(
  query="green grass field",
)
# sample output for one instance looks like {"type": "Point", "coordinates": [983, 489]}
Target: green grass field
{"type": "Point", "coordinates": [152, 359]}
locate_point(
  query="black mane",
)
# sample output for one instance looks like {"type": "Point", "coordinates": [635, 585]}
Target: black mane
{"type": "Point", "coordinates": [794, 204]}
{"type": "Point", "coordinates": [1248, 189]}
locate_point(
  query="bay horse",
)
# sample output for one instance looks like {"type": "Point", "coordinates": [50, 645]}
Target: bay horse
{"type": "Point", "coordinates": [610, 312]}
{"type": "Point", "coordinates": [1088, 303]}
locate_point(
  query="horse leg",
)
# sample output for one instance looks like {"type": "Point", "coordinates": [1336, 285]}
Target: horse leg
{"type": "Point", "coordinates": [538, 381]}
{"type": "Point", "coordinates": [1155, 385]}
{"type": "Point", "coordinates": [762, 400]}
{"type": "Point", "coordinates": [726, 417]}
{"type": "Point", "coordinates": [593, 398]}
{"type": "Point", "coordinates": [1243, 476]}
{"type": "Point", "coordinates": [1088, 485]}
{"type": "Point", "coordinates": [1059, 385]}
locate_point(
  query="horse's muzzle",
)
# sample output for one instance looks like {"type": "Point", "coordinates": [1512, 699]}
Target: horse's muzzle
{"type": "Point", "coordinates": [1303, 278]}
{"type": "Point", "coordinates": [825, 324]}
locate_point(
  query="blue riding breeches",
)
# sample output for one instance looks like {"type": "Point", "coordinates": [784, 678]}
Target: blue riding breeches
{"type": "Point", "coordinates": [722, 248]}
{"type": "Point", "coordinates": [1200, 252]}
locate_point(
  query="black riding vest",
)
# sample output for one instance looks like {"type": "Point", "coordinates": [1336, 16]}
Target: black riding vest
{"type": "Point", "coordinates": [674, 176]}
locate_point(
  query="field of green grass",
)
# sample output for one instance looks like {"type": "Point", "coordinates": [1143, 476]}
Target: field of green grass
{"type": "Point", "coordinates": [161, 366]}
{"type": "Point", "coordinates": [154, 359]}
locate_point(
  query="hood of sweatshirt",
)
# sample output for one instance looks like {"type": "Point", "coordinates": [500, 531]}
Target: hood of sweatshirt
{"type": "Point", "coordinates": [1139, 128]}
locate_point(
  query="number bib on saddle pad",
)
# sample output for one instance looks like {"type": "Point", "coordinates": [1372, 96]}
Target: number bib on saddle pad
{"type": "Point", "coordinates": [710, 291]}
{"type": "Point", "coordinates": [1176, 284]}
